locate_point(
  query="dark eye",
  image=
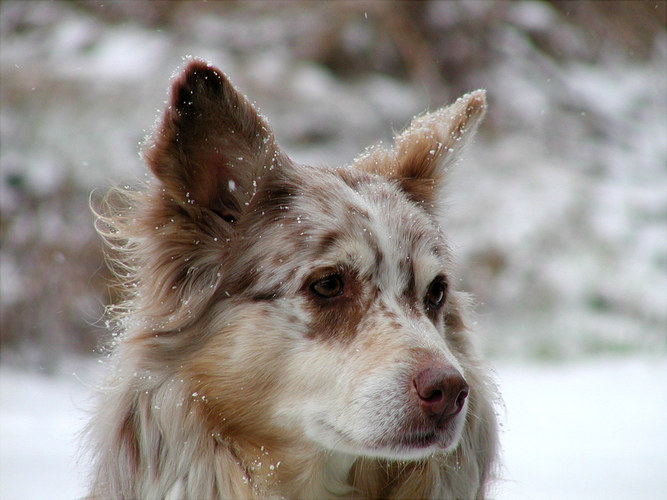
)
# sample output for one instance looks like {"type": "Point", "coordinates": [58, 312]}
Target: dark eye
{"type": "Point", "coordinates": [437, 293]}
{"type": "Point", "coordinates": [328, 287]}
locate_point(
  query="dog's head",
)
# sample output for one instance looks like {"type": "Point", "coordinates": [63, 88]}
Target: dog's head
{"type": "Point", "coordinates": [304, 303]}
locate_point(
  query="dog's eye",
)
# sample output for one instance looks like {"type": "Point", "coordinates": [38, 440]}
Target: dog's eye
{"type": "Point", "coordinates": [437, 293]}
{"type": "Point", "coordinates": [328, 287]}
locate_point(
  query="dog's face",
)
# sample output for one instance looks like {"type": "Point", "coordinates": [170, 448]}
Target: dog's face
{"type": "Point", "coordinates": [350, 280]}
{"type": "Point", "coordinates": [328, 312]}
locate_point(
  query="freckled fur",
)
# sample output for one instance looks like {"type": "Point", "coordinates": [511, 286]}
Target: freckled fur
{"type": "Point", "coordinates": [228, 378]}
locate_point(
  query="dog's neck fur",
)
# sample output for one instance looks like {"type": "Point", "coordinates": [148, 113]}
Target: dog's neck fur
{"type": "Point", "coordinates": [165, 454]}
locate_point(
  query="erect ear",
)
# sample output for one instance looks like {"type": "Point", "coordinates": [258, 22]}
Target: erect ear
{"type": "Point", "coordinates": [212, 147]}
{"type": "Point", "coordinates": [423, 152]}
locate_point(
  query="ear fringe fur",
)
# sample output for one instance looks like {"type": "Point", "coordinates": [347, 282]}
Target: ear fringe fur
{"type": "Point", "coordinates": [425, 150]}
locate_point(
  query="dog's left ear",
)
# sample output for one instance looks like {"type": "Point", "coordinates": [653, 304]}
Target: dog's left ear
{"type": "Point", "coordinates": [423, 152]}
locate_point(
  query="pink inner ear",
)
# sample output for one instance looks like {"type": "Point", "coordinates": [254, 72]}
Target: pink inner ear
{"type": "Point", "coordinates": [215, 188]}
{"type": "Point", "coordinates": [207, 182]}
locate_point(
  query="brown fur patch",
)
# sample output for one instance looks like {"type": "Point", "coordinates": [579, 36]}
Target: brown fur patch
{"type": "Point", "coordinates": [337, 317]}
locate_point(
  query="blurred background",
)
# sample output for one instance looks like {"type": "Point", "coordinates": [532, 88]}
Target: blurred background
{"type": "Point", "coordinates": [557, 215]}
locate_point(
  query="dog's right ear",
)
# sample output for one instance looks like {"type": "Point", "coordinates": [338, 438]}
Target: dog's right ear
{"type": "Point", "coordinates": [211, 147]}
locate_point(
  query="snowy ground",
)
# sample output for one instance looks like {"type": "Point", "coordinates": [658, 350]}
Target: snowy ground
{"type": "Point", "coordinates": [588, 430]}
{"type": "Point", "coordinates": [585, 430]}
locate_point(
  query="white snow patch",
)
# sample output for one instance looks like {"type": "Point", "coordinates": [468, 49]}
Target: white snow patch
{"type": "Point", "coordinates": [585, 431]}
{"type": "Point", "coordinates": [40, 420]}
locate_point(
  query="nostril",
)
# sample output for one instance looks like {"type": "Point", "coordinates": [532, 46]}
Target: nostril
{"type": "Point", "coordinates": [435, 397]}
{"type": "Point", "coordinates": [461, 399]}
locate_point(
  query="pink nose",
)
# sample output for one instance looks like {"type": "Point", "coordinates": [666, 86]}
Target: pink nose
{"type": "Point", "coordinates": [441, 390]}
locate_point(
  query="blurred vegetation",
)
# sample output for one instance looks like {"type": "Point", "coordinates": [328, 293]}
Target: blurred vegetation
{"type": "Point", "coordinates": [434, 43]}
{"type": "Point", "coordinates": [55, 283]}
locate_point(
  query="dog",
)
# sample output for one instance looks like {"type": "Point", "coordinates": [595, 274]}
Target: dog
{"type": "Point", "coordinates": [288, 331]}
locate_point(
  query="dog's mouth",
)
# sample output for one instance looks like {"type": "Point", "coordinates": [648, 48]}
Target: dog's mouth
{"type": "Point", "coordinates": [409, 445]}
{"type": "Point", "coordinates": [420, 441]}
{"type": "Point", "coordinates": [416, 440]}
{"type": "Point", "coordinates": [400, 435]}
{"type": "Point", "coordinates": [400, 444]}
